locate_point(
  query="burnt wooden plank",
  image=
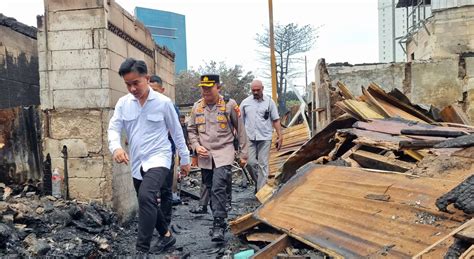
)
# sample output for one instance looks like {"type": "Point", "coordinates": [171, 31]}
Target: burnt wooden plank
{"type": "Point", "coordinates": [371, 160]}
{"type": "Point", "coordinates": [463, 141]}
{"type": "Point", "coordinates": [373, 139]}
{"type": "Point", "coordinates": [466, 234]}
{"type": "Point", "coordinates": [460, 228]}
{"type": "Point", "coordinates": [263, 237]}
{"type": "Point", "coordinates": [418, 144]}
{"type": "Point", "coordinates": [243, 223]}
{"type": "Point", "coordinates": [467, 153]}
{"type": "Point", "coordinates": [433, 132]}
{"type": "Point", "coordinates": [273, 248]}
{"type": "Point", "coordinates": [380, 94]}
{"type": "Point", "coordinates": [346, 93]}
{"type": "Point", "coordinates": [319, 145]}
{"type": "Point", "coordinates": [468, 254]}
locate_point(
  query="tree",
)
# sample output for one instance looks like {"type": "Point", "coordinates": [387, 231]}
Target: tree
{"type": "Point", "coordinates": [236, 84]}
{"type": "Point", "coordinates": [291, 40]}
{"type": "Point", "coordinates": [186, 86]}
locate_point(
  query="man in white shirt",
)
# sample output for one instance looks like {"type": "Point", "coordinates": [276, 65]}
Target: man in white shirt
{"type": "Point", "coordinates": [260, 116]}
{"type": "Point", "coordinates": [147, 117]}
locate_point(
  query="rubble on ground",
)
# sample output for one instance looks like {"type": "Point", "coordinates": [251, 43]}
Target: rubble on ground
{"type": "Point", "coordinates": [377, 180]}
{"type": "Point", "coordinates": [34, 225]}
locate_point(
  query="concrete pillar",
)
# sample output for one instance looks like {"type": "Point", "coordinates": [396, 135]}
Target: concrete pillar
{"type": "Point", "coordinates": [81, 46]}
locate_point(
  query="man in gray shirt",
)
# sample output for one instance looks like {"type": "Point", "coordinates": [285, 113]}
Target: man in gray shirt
{"type": "Point", "coordinates": [260, 116]}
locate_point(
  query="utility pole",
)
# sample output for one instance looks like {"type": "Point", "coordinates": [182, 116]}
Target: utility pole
{"type": "Point", "coordinates": [305, 72]}
{"type": "Point", "coordinates": [394, 41]}
{"type": "Point", "coordinates": [272, 53]}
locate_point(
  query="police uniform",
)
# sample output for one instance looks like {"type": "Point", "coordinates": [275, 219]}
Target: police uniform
{"type": "Point", "coordinates": [210, 126]}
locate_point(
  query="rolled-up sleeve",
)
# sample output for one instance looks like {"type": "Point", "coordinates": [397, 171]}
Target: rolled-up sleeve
{"type": "Point", "coordinates": [115, 128]}
{"type": "Point", "coordinates": [174, 127]}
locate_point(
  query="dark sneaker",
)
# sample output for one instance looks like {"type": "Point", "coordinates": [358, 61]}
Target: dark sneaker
{"type": "Point", "coordinates": [164, 243]}
{"type": "Point", "coordinates": [199, 210]}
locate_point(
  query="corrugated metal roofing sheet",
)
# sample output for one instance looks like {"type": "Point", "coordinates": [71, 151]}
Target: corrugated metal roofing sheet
{"type": "Point", "coordinates": [327, 208]}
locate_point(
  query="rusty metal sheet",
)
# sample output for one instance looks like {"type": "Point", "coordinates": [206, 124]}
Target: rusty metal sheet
{"type": "Point", "coordinates": [325, 207]}
{"type": "Point", "coordinates": [454, 113]}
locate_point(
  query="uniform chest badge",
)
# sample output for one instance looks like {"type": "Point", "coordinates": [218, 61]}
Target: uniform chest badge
{"type": "Point", "coordinates": [220, 118]}
{"type": "Point", "coordinates": [200, 120]}
{"type": "Point", "coordinates": [223, 125]}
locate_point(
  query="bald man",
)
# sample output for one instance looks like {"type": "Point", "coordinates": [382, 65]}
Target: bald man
{"type": "Point", "coordinates": [260, 116]}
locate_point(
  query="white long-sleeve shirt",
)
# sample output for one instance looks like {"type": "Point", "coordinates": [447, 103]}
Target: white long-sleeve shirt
{"type": "Point", "coordinates": [147, 130]}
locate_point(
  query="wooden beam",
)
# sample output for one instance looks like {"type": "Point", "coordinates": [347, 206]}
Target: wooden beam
{"type": "Point", "coordinates": [433, 132]}
{"type": "Point", "coordinates": [371, 160]}
{"type": "Point", "coordinates": [243, 223]}
{"type": "Point", "coordinates": [467, 153]}
{"type": "Point", "coordinates": [426, 250]}
{"type": "Point", "coordinates": [263, 237]}
{"type": "Point", "coordinates": [418, 144]}
{"type": "Point", "coordinates": [346, 93]}
{"type": "Point", "coordinates": [466, 234]}
{"type": "Point", "coordinates": [468, 254]}
{"type": "Point", "coordinates": [273, 248]}
{"type": "Point", "coordinates": [414, 154]}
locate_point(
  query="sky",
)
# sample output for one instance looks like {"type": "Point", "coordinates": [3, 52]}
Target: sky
{"type": "Point", "coordinates": [348, 28]}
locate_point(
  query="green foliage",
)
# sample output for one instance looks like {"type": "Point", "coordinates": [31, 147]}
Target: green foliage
{"type": "Point", "coordinates": [236, 83]}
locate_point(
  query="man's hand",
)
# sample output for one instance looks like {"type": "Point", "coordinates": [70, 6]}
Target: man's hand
{"type": "Point", "coordinates": [202, 151]}
{"type": "Point", "coordinates": [279, 142]}
{"type": "Point", "coordinates": [184, 170]}
{"type": "Point", "coordinates": [120, 156]}
{"type": "Point", "coordinates": [243, 162]}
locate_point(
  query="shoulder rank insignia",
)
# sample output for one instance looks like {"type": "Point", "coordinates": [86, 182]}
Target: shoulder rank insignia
{"type": "Point", "coordinates": [237, 110]}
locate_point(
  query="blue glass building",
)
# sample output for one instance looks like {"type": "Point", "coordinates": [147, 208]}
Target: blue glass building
{"type": "Point", "coordinates": [168, 29]}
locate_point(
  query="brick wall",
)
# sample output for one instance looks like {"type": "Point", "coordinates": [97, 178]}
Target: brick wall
{"type": "Point", "coordinates": [81, 46]}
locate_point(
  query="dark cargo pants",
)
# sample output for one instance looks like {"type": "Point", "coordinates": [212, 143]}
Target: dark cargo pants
{"type": "Point", "coordinates": [218, 180]}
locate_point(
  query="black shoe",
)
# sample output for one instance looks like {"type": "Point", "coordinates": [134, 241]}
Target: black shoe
{"type": "Point", "coordinates": [218, 230]}
{"type": "Point", "coordinates": [140, 254]}
{"type": "Point", "coordinates": [164, 243]}
{"type": "Point", "coordinates": [199, 210]}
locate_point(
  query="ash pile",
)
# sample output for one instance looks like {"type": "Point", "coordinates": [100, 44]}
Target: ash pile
{"type": "Point", "coordinates": [34, 225]}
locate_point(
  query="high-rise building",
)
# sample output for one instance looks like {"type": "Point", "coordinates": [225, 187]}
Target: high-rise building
{"type": "Point", "coordinates": [168, 29]}
{"type": "Point", "coordinates": [394, 25]}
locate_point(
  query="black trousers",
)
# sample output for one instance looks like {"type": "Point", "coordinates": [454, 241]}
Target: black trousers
{"type": "Point", "coordinates": [217, 180]}
{"type": "Point", "coordinates": [205, 192]}
{"type": "Point", "coordinates": [150, 205]}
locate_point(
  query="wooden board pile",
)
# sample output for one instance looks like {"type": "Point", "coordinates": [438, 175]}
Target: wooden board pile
{"type": "Point", "coordinates": [345, 192]}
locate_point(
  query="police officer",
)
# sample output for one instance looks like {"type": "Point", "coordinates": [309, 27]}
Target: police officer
{"type": "Point", "coordinates": [211, 134]}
